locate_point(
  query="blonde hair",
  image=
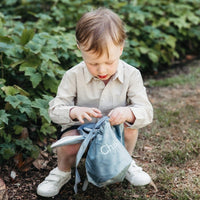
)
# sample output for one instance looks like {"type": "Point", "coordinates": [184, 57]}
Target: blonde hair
{"type": "Point", "coordinates": [95, 29]}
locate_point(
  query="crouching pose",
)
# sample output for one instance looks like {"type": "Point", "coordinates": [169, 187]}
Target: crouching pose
{"type": "Point", "coordinates": [102, 84]}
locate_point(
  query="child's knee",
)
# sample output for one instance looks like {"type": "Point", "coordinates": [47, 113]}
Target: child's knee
{"type": "Point", "coordinates": [69, 150]}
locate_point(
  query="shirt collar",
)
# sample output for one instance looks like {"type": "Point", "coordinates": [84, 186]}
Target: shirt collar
{"type": "Point", "coordinates": [118, 75]}
{"type": "Point", "coordinates": [88, 76]}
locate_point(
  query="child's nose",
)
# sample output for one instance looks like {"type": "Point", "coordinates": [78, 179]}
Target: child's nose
{"type": "Point", "coordinates": [102, 69]}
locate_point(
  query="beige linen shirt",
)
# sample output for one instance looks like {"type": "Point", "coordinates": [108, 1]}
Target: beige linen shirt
{"type": "Point", "coordinates": [79, 88]}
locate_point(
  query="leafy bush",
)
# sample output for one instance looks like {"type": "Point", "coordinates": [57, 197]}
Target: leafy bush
{"type": "Point", "coordinates": [37, 45]}
{"type": "Point", "coordinates": [159, 32]}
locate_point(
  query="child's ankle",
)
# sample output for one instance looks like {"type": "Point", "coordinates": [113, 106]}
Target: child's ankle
{"type": "Point", "coordinates": [64, 169]}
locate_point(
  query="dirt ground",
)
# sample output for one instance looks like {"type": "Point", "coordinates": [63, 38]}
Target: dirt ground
{"type": "Point", "coordinates": [24, 185]}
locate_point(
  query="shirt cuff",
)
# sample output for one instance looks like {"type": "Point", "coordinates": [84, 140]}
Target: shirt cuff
{"type": "Point", "coordinates": [141, 119]}
{"type": "Point", "coordinates": [60, 115]}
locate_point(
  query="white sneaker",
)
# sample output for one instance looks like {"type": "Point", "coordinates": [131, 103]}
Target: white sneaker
{"type": "Point", "coordinates": [53, 183]}
{"type": "Point", "coordinates": [136, 176]}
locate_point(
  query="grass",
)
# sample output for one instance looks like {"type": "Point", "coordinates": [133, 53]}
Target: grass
{"type": "Point", "coordinates": [191, 77]}
{"type": "Point", "coordinates": [175, 135]}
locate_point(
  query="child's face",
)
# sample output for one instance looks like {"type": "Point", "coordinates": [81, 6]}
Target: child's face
{"type": "Point", "coordinates": [103, 67]}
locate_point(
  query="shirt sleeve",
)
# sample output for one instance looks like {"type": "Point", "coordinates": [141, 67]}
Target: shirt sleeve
{"type": "Point", "coordinates": [60, 106]}
{"type": "Point", "coordinates": [139, 102]}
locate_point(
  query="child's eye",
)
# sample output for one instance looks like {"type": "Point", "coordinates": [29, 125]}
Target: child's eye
{"type": "Point", "coordinates": [94, 64]}
{"type": "Point", "coordinates": [110, 63]}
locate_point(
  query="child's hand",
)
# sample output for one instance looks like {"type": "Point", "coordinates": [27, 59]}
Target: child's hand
{"type": "Point", "coordinates": [120, 115]}
{"type": "Point", "coordinates": [81, 113]}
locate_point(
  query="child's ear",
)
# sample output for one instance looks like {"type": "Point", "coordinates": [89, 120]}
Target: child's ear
{"type": "Point", "coordinates": [78, 46]}
{"type": "Point", "coordinates": [121, 49]}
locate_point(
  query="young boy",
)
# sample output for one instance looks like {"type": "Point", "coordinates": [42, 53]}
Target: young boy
{"type": "Point", "coordinates": [100, 85]}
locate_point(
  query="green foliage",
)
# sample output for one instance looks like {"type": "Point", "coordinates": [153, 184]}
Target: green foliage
{"type": "Point", "coordinates": [37, 45]}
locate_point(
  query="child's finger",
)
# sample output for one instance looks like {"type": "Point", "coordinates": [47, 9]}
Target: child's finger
{"type": "Point", "coordinates": [110, 113]}
{"type": "Point", "coordinates": [95, 113]}
{"type": "Point", "coordinates": [96, 110]}
{"type": "Point", "coordinates": [87, 116]}
{"type": "Point", "coordinates": [80, 119]}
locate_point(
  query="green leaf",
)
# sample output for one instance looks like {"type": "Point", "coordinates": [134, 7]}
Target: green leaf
{"type": "Point", "coordinates": [133, 43]}
{"type": "Point", "coordinates": [18, 99]}
{"type": "Point", "coordinates": [2, 81]}
{"type": "Point", "coordinates": [30, 62]}
{"type": "Point", "coordinates": [45, 114]}
{"type": "Point", "coordinates": [171, 41]}
{"type": "Point", "coordinates": [5, 43]}
{"type": "Point", "coordinates": [21, 91]}
{"type": "Point", "coordinates": [175, 54]}
{"type": "Point", "coordinates": [78, 53]}
{"type": "Point", "coordinates": [2, 17]}
{"type": "Point", "coordinates": [13, 101]}
{"type": "Point", "coordinates": [45, 17]}
{"type": "Point", "coordinates": [7, 150]}
{"type": "Point", "coordinates": [10, 2]}
{"type": "Point", "coordinates": [26, 108]}
{"type": "Point", "coordinates": [37, 43]}
{"type": "Point", "coordinates": [34, 47]}
{"type": "Point", "coordinates": [24, 143]}
{"type": "Point", "coordinates": [153, 57]}
{"type": "Point", "coordinates": [6, 39]}
{"type": "Point", "coordinates": [144, 50]}
{"type": "Point", "coordinates": [35, 152]}
{"type": "Point", "coordinates": [50, 83]}
{"type": "Point", "coordinates": [4, 117]}
{"type": "Point", "coordinates": [48, 68]}
{"type": "Point", "coordinates": [23, 99]}
{"type": "Point", "coordinates": [47, 98]}
{"type": "Point", "coordinates": [18, 29]}
{"type": "Point", "coordinates": [18, 129]}
{"type": "Point", "coordinates": [70, 39]}
{"type": "Point", "coordinates": [191, 17]}
{"type": "Point", "coordinates": [26, 36]}
{"type": "Point", "coordinates": [47, 129]}
{"type": "Point", "coordinates": [27, 144]}
{"type": "Point", "coordinates": [42, 105]}
{"type": "Point", "coordinates": [35, 79]}
{"type": "Point", "coordinates": [13, 65]}
{"type": "Point", "coordinates": [180, 22]}
{"type": "Point", "coordinates": [14, 51]}
{"type": "Point", "coordinates": [49, 55]}
{"type": "Point", "coordinates": [29, 71]}
{"type": "Point", "coordinates": [10, 90]}
{"type": "Point", "coordinates": [163, 21]}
